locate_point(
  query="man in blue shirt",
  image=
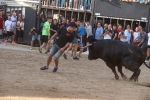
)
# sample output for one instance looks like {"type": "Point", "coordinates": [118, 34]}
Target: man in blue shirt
{"type": "Point", "coordinates": [99, 32]}
{"type": "Point", "coordinates": [82, 32]}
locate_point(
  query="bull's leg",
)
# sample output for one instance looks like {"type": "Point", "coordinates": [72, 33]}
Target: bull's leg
{"type": "Point", "coordinates": [113, 70]}
{"type": "Point", "coordinates": [137, 75]}
{"type": "Point", "coordinates": [120, 70]}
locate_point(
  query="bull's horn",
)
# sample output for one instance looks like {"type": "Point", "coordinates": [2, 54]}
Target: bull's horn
{"type": "Point", "coordinates": [86, 46]}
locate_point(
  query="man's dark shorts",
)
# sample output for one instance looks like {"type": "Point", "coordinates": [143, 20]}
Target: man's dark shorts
{"type": "Point", "coordinates": [55, 51]}
{"type": "Point", "coordinates": [44, 38]}
{"type": "Point", "coordinates": [10, 33]}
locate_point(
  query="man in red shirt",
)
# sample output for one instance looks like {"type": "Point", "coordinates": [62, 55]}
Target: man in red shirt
{"type": "Point", "coordinates": [1, 25]}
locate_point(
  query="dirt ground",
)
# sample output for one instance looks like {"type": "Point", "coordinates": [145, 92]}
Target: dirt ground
{"type": "Point", "coordinates": [21, 79]}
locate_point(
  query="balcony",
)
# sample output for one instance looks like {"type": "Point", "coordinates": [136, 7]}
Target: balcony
{"type": "Point", "coordinates": [77, 5]}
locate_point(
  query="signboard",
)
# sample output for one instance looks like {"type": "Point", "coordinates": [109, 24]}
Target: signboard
{"type": "Point", "coordinates": [11, 3]}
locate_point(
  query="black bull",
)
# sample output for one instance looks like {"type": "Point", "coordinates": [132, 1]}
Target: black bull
{"type": "Point", "coordinates": [116, 53]}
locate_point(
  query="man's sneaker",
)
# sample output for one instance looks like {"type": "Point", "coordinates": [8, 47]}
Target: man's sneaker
{"type": "Point", "coordinates": [65, 56]}
{"type": "Point", "coordinates": [147, 60]}
{"type": "Point", "coordinates": [75, 58]}
{"type": "Point", "coordinates": [30, 48]}
{"type": "Point", "coordinates": [45, 53]}
{"type": "Point", "coordinates": [44, 68]}
{"type": "Point", "coordinates": [55, 69]}
{"type": "Point", "coordinates": [40, 50]}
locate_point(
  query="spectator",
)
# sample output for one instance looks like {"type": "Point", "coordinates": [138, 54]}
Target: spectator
{"type": "Point", "coordinates": [9, 28]}
{"type": "Point", "coordinates": [70, 4]}
{"type": "Point", "coordinates": [62, 3]}
{"type": "Point", "coordinates": [45, 35]}
{"type": "Point", "coordinates": [56, 3]}
{"type": "Point", "coordinates": [81, 4]}
{"type": "Point", "coordinates": [4, 16]}
{"type": "Point", "coordinates": [82, 32]}
{"type": "Point", "coordinates": [75, 4]}
{"type": "Point", "coordinates": [128, 31]}
{"type": "Point", "coordinates": [136, 35]}
{"type": "Point", "coordinates": [35, 36]}
{"type": "Point", "coordinates": [53, 3]}
{"type": "Point", "coordinates": [148, 49]}
{"type": "Point", "coordinates": [18, 32]}
{"type": "Point", "coordinates": [105, 28]}
{"type": "Point", "coordinates": [85, 4]}
{"type": "Point", "coordinates": [66, 3]}
{"type": "Point", "coordinates": [22, 30]}
{"type": "Point", "coordinates": [144, 42]}
{"type": "Point", "coordinates": [14, 22]}
{"type": "Point", "coordinates": [89, 32]}
{"type": "Point", "coordinates": [123, 36]}
{"type": "Point", "coordinates": [140, 35]}
{"type": "Point", "coordinates": [89, 5]}
{"type": "Point", "coordinates": [1, 25]}
{"type": "Point", "coordinates": [119, 30]}
{"type": "Point", "coordinates": [68, 23]}
{"type": "Point", "coordinates": [108, 33]}
{"type": "Point", "coordinates": [114, 33]}
{"type": "Point", "coordinates": [99, 32]}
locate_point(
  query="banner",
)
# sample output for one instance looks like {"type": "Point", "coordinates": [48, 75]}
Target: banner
{"type": "Point", "coordinates": [11, 3]}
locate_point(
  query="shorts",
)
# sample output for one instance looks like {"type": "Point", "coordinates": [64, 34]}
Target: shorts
{"type": "Point", "coordinates": [55, 51]}
{"type": "Point", "coordinates": [22, 32]}
{"type": "Point", "coordinates": [56, 0]}
{"type": "Point", "coordinates": [1, 31]}
{"type": "Point", "coordinates": [90, 39]}
{"type": "Point", "coordinates": [70, 0]}
{"type": "Point", "coordinates": [45, 39]}
{"type": "Point", "coordinates": [75, 41]}
{"type": "Point", "coordinates": [148, 46]}
{"type": "Point", "coordinates": [10, 33]}
{"type": "Point", "coordinates": [144, 49]}
{"type": "Point", "coordinates": [18, 33]}
{"type": "Point", "coordinates": [36, 37]}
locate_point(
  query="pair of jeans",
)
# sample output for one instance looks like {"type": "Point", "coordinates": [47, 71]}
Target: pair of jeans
{"type": "Point", "coordinates": [87, 2]}
{"type": "Point", "coordinates": [62, 3]}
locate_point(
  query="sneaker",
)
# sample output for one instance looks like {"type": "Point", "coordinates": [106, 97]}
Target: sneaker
{"type": "Point", "coordinates": [45, 53]}
{"type": "Point", "coordinates": [5, 44]}
{"type": "Point", "coordinates": [75, 58]}
{"type": "Point", "coordinates": [40, 50]}
{"type": "Point", "coordinates": [44, 68]}
{"type": "Point", "coordinates": [30, 48]}
{"type": "Point", "coordinates": [55, 69]}
{"type": "Point", "coordinates": [65, 56]}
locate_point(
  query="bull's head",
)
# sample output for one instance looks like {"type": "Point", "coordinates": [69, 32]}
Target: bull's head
{"type": "Point", "coordinates": [92, 55]}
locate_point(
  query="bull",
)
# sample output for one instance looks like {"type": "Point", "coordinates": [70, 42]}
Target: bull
{"type": "Point", "coordinates": [116, 53]}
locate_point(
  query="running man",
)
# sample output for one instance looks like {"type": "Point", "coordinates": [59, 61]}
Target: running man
{"type": "Point", "coordinates": [45, 35]}
{"type": "Point", "coordinates": [65, 37]}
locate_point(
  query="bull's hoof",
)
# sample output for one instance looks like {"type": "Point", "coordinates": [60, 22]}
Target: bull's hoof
{"type": "Point", "coordinates": [117, 77]}
{"type": "Point", "coordinates": [135, 79]}
{"type": "Point", "coordinates": [124, 77]}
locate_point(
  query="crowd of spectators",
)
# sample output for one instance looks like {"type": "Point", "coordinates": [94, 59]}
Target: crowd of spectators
{"type": "Point", "coordinates": [11, 27]}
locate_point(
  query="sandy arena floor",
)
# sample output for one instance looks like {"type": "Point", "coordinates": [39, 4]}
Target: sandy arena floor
{"type": "Point", "coordinates": [21, 79]}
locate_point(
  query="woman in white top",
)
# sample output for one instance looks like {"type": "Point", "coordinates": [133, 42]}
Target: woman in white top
{"type": "Point", "coordinates": [123, 36]}
{"type": "Point", "coordinates": [136, 34]}
{"type": "Point", "coordinates": [22, 30]}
